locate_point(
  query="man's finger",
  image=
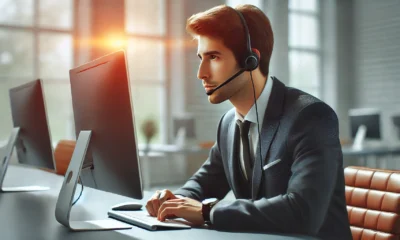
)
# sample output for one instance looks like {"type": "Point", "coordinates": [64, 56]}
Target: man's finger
{"type": "Point", "coordinates": [149, 207]}
{"type": "Point", "coordinates": [166, 195]}
{"type": "Point", "coordinates": [176, 200]}
{"type": "Point", "coordinates": [156, 205]}
{"type": "Point", "coordinates": [163, 195]}
{"type": "Point", "coordinates": [157, 194]}
{"type": "Point", "coordinates": [149, 210]}
{"type": "Point", "coordinates": [165, 205]}
{"type": "Point", "coordinates": [153, 204]}
{"type": "Point", "coordinates": [168, 212]}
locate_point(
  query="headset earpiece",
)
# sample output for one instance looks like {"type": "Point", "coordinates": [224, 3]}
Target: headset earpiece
{"type": "Point", "coordinates": [251, 62]}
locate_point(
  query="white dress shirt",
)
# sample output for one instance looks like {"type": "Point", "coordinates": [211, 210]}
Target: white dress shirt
{"type": "Point", "coordinates": [262, 103]}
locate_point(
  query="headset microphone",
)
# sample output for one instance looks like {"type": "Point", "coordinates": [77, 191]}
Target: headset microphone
{"type": "Point", "coordinates": [249, 64]}
{"type": "Point", "coordinates": [226, 82]}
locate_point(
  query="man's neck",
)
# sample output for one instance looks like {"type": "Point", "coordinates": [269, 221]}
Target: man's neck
{"type": "Point", "coordinates": [244, 99]}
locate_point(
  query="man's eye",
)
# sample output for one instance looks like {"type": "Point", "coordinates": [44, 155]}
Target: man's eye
{"type": "Point", "coordinates": [213, 56]}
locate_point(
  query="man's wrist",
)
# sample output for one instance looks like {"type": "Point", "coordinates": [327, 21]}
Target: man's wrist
{"type": "Point", "coordinates": [207, 206]}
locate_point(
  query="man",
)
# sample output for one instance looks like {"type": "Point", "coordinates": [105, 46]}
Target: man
{"type": "Point", "coordinates": [295, 184]}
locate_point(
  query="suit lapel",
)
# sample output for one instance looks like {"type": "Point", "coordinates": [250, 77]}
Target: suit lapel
{"type": "Point", "coordinates": [270, 125]}
{"type": "Point", "coordinates": [233, 144]}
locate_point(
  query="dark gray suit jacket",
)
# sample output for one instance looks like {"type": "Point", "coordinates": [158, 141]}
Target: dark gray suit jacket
{"type": "Point", "coordinates": [303, 192]}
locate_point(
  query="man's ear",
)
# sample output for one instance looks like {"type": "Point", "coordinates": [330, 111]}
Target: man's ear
{"type": "Point", "coordinates": [256, 52]}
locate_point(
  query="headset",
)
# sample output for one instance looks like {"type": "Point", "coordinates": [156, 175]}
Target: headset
{"type": "Point", "coordinates": [251, 60]}
{"type": "Point", "coordinates": [250, 63]}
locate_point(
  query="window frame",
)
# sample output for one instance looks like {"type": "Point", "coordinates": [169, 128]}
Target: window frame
{"type": "Point", "coordinates": [162, 83]}
{"type": "Point", "coordinates": [315, 51]}
{"type": "Point", "coordinates": [36, 30]}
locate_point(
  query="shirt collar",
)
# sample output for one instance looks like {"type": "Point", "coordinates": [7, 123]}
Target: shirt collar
{"type": "Point", "coordinates": [262, 103]}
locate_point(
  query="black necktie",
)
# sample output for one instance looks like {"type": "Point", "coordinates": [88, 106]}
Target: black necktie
{"type": "Point", "coordinates": [244, 136]}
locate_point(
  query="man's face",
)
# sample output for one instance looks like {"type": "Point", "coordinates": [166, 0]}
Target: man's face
{"type": "Point", "coordinates": [217, 64]}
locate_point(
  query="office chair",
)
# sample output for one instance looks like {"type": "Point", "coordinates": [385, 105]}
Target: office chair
{"type": "Point", "coordinates": [373, 203]}
{"type": "Point", "coordinates": [62, 155]}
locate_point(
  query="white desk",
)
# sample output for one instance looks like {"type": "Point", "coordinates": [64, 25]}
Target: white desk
{"type": "Point", "coordinates": [175, 149]}
{"type": "Point", "coordinates": [389, 152]}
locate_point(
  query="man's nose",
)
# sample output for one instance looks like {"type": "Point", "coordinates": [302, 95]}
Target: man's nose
{"type": "Point", "coordinates": [203, 72]}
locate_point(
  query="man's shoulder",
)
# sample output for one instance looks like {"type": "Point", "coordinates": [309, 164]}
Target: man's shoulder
{"type": "Point", "coordinates": [230, 114]}
{"type": "Point", "coordinates": [226, 119]}
{"type": "Point", "coordinates": [297, 101]}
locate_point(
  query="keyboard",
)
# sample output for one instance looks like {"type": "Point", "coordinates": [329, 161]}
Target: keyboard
{"type": "Point", "coordinates": [144, 220]}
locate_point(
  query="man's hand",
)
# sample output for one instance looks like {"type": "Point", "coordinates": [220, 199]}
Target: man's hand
{"type": "Point", "coordinates": [185, 208]}
{"type": "Point", "coordinates": [154, 203]}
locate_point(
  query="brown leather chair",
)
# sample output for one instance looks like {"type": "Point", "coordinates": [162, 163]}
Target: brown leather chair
{"type": "Point", "coordinates": [373, 203]}
{"type": "Point", "coordinates": [63, 154]}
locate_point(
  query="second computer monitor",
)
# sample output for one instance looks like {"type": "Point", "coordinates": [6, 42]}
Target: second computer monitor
{"type": "Point", "coordinates": [30, 134]}
{"type": "Point", "coordinates": [185, 122]}
{"type": "Point", "coordinates": [364, 124]}
{"type": "Point", "coordinates": [369, 118]}
{"type": "Point", "coordinates": [28, 110]}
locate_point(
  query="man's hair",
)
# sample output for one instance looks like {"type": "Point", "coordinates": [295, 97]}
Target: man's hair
{"type": "Point", "coordinates": [222, 22]}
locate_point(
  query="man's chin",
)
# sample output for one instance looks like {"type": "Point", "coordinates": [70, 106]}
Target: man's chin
{"type": "Point", "coordinates": [216, 99]}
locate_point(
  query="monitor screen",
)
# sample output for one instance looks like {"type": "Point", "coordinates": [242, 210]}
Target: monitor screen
{"type": "Point", "coordinates": [370, 118]}
{"type": "Point", "coordinates": [28, 110]}
{"type": "Point", "coordinates": [186, 122]}
{"type": "Point", "coordinates": [102, 104]}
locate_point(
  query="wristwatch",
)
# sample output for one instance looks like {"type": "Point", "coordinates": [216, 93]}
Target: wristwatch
{"type": "Point", "coordinates": [208, 204]}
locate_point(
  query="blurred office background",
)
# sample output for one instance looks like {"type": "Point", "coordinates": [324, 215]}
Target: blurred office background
{"type": "Point", "coordinates": [345, 52]}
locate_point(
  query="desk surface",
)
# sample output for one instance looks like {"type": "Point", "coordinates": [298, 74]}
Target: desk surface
{"type": "Point", "coordinates": [31, 215]}
{"type": "Point", "coordinates": [175, 149]}
{"type": "Point", "coordinates": [377, 151]}
{"type": "Point", "coordinates": [347, 150]}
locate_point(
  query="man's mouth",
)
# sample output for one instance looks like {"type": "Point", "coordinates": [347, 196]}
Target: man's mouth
{"type": "Point", "coordinates": [209, 88]}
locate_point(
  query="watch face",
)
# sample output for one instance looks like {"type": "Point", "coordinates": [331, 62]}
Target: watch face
{"type": "Point", "coordinates": [209, 200]}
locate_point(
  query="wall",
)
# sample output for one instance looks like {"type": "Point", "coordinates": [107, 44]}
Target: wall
{"type": "Point", "coordinates": [366, 65]}
{"type": "Point", "coordinates": [207, 115]}
{"type": "Point", "coordinates": [377, 60]}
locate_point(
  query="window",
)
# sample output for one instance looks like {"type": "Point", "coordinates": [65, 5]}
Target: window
{"type": "Point", "coordinates": [305, 46]}
{"type": "Point", "coordinates": [145, 26]}
{"type": "Point", "coordinates": [36, 42]}
{"type": "Point", "coordinates": [234, 3]}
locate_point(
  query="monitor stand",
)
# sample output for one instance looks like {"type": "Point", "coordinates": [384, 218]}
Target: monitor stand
{"type": "Point", "coordinates": [359, 139]}
{"type": "Point", "coordinates": [65, 198]}
{"type": "Point", "coordinates": [4, 165]}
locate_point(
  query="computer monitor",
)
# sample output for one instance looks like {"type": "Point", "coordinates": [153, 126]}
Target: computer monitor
{"type": "Point", "coordinates": [185, 122]}
{"type": "Point", "coordinates": [30, 135]}
{"type": "Point", "coordinates": [396, 122]}
{"type": "Point", "coordinates": [106, 153]}
{"type": "Point", "coordinates": [364, 124]}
